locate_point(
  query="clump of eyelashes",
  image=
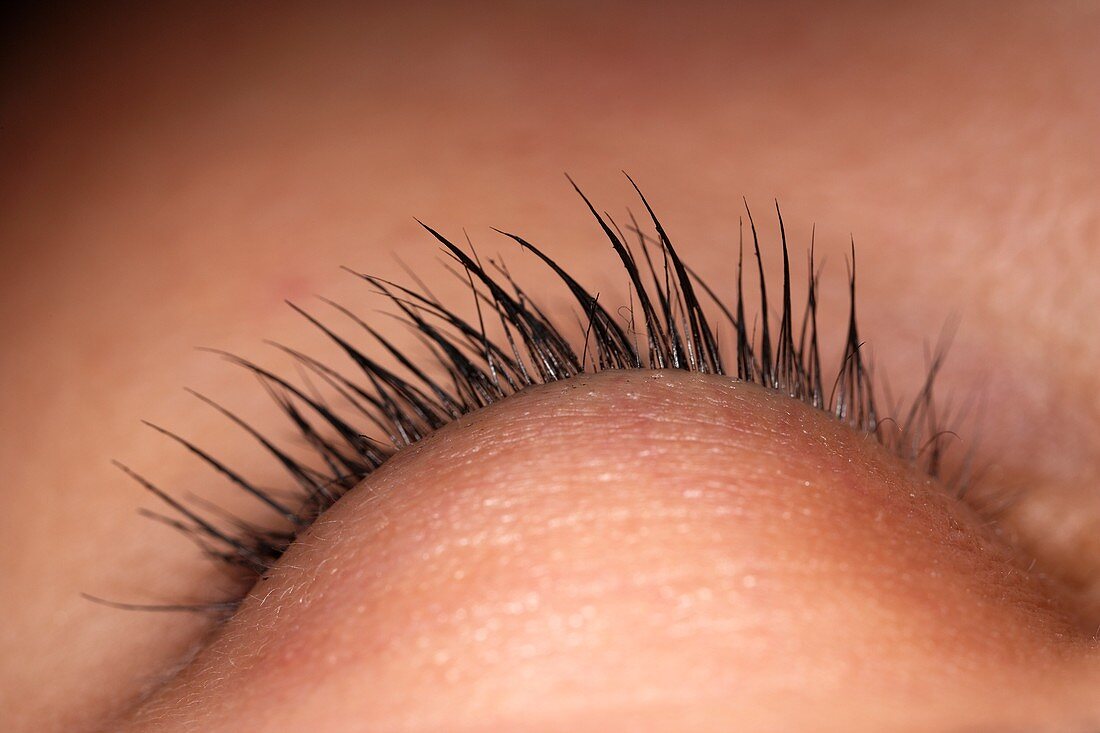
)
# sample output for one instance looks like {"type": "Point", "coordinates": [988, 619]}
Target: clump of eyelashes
{"type": "Point", "coordinates": [666, 323]}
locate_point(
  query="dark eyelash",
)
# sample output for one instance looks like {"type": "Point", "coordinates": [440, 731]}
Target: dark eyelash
{"type": "Point", "coordinates": [665, 326]}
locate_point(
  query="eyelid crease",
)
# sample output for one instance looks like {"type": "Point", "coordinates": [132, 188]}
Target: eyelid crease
{"type": "Point", "coordinates": [672, 330]}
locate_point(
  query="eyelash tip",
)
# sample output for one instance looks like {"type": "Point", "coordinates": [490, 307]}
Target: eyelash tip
{"type": "Point", "coordinates": [405, 405]}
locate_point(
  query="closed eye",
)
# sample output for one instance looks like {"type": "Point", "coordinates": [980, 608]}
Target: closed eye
{"type": "Point", "coordinates": [527, 502]}
{"type": "Point", "coordinates": [672, 319]}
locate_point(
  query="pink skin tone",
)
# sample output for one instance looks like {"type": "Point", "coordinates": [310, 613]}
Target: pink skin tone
{"type": "Point", "coordinates": [632, 549]}
{"type": "Point", "coordinates": [170, 175]}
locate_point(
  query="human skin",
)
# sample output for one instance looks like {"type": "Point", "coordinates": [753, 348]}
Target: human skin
{"type": "Point", "coordinates": [642, 550]}
{"type": "Point", "coordinates": [171, 176]}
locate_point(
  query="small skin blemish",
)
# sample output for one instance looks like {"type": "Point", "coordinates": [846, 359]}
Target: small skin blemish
{"type": "Point", "coordinates": [292, 287]}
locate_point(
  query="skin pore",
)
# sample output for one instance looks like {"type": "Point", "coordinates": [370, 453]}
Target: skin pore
{"type": "Point", "coordinates": [171, 176]}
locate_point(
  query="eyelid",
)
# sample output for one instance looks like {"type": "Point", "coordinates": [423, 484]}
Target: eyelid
{"type": "Point", "coordinates": [805, 481]}
{"type": "Point", "coordinates": [405, 405]}
{"type": "Point", "coordinates": [522, 552]}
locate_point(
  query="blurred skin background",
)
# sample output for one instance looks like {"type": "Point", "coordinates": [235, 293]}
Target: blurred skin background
{"type": "Point", "coordinates": [170, 173]}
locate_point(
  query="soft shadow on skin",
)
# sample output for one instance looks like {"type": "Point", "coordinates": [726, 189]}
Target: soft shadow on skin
{"type": "Point", "coordinates": [651, 550]}
{"type": "Point", "coordinates": [170, 172]}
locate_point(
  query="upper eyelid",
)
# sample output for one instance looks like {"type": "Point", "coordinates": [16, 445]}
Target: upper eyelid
{"type": "Point", "coordinates": [476, 370]}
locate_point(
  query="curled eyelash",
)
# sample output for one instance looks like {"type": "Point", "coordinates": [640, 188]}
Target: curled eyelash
{"type": "Point", "coordinates": [667, 324]}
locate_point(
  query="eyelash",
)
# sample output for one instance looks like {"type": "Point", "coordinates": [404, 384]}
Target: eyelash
{"type": "Point", "coordinates": [674, 333]}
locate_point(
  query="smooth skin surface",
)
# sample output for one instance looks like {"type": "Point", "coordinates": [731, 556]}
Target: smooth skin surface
{"type": "Point", "coordinates": [169, 175]}
{"type": "Point", "coordinates": [639, 550]}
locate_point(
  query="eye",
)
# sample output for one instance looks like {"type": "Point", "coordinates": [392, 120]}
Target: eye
{"type": "Point", "coordinates": [792, 485]}
{"type": "Point", "coordinates": [672, 319]}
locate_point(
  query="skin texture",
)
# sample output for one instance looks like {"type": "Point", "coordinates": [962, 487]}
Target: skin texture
{"type": "Point", "coordinates": [637, 548]}
{"type": "Point", "coordinates": [168, 176]}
